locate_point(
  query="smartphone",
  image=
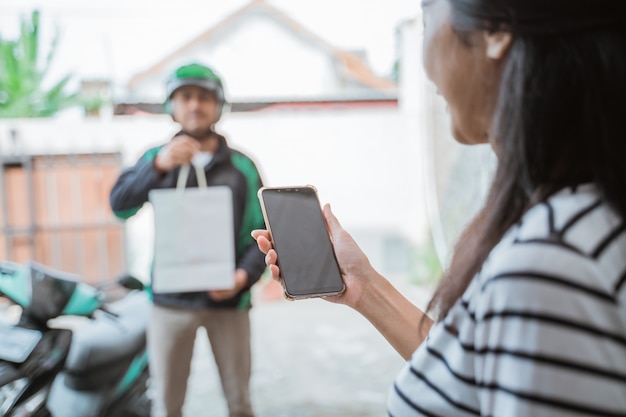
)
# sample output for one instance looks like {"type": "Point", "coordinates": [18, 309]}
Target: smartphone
{"type": "Point", "coordinates": [307, 261]}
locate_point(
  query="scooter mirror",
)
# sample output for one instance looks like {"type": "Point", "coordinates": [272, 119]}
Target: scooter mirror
{"type": "Point", "coordinates": [130, 282]}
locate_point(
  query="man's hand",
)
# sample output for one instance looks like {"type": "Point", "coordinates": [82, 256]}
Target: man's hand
{"type": "Point", "coordinates": [178, 152]}
{"type": "Point", "coordinates": [241, 280]}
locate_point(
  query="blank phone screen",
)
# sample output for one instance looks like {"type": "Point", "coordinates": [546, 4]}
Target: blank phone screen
{"type": "Point", "coordinates": [305, 254]}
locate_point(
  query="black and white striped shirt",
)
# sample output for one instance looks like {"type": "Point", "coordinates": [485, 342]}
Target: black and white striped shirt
{"type": "Point", "coordinates": [540, 331]}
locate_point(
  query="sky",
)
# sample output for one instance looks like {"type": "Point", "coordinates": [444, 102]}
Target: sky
{"type": "Point", "coordinates": [115, 39]}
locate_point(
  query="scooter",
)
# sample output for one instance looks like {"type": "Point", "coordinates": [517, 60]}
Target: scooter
{"type": "Point", "coordinates": [98, 369]}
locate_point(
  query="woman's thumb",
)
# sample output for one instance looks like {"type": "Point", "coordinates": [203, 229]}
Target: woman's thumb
{"type": "Point", "coordinates": [332, 222]}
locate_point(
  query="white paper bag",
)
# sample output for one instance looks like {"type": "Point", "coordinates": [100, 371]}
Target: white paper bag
{"type": "Point", "coordinates": [194, 243]}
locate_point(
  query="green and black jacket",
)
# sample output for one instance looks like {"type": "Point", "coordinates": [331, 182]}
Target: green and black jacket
{"type": "Point", "coordinates": [228, 167]}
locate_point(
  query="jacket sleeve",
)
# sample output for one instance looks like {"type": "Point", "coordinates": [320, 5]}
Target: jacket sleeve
{"type": "Point", "coordinates": [131, 189]}
{"type": "Point", "coordinates": [253, 261]}
{"type": "Point", "coordinates": [251, 258]}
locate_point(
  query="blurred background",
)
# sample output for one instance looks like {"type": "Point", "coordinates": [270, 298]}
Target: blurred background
{"type": "Point", "coordinates": [325, 93]}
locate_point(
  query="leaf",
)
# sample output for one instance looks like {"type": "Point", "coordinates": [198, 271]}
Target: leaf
{"type": "Point", "coordinates": [21, 76]}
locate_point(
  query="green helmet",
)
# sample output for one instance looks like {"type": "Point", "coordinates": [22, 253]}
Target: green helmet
{"type": "Point", "coordinates": [194, 74]}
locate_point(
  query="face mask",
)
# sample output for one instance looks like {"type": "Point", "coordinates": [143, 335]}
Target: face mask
{"type": "Point", "coordinates": [202, 159]}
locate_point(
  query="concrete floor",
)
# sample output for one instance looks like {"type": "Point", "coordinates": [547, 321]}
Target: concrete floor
{"type": "Point", "coordinates": [311, 358]}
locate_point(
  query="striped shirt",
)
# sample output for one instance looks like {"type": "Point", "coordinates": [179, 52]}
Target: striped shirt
{"type": "Point", "coordinates": [540, 331]}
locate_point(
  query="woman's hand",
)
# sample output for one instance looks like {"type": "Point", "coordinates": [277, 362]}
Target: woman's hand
{"type": "Point", "coordinates": [368, 292]}
{"type": "Point", "coordinates": [356, 269]}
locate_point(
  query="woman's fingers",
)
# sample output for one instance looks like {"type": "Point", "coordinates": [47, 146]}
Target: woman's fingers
{"type": "Point", "coordinates": [332, 222]}
{"type": "Point", "coordinates": [275, 271]}
{"type": "Point", "coordinates": [270, 260]}
{"type": "Point", "coordinates": [262, 240]}
{"type": "Point", "coordinates": [270, 257]}
{"type": "Point", "coordinates": [260, 232]}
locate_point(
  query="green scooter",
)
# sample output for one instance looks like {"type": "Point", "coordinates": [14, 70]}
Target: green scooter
{"type": "Point", "coordinates": [96, 369]}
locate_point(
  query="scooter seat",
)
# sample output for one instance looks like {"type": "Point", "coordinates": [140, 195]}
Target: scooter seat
{"type": "Point", "coordinates": [107, 341]}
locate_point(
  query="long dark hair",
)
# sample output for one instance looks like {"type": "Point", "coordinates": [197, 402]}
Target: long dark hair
{"type": "Point", "coordinates": [560, 117]}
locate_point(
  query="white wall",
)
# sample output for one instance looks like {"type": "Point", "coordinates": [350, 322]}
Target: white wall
{"type": "Point", "coordinates": [362, 161]}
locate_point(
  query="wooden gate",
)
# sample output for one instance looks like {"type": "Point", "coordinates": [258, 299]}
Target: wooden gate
{"type": "Point", "coordinates": [55, 211]}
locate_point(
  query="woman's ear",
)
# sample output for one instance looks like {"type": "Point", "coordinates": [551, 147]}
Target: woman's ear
{"type": "Point", "coordinates": [497, 44]}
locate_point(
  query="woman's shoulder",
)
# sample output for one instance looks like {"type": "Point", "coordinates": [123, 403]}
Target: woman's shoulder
{"type": "Point", "coordinates": [576, 217]}
{"type": "Point", "coordinates": [572, 220]}
{"type": "Point", "coordinates": [572, 241]}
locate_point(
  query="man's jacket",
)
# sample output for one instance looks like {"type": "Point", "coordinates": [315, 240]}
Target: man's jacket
{"type": "Point", "coordinates": [228, 167]}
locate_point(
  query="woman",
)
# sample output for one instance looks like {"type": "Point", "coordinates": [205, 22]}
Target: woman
{"type": "Point", "coordinates": [531, 313]}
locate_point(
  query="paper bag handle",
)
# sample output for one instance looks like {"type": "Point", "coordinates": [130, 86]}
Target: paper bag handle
{"type": "Point", "coordinates": [184, 174]}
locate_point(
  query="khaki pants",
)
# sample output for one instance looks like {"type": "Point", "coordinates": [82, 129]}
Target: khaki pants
{"type": "Point", "coordinates": [171, 337]}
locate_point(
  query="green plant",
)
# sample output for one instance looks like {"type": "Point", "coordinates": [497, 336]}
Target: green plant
{"type": "Point", "coordinates": [23, 71]}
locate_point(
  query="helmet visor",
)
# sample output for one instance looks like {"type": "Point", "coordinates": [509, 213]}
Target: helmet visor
{"type": "Point", "coordinates": [209, 85]}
